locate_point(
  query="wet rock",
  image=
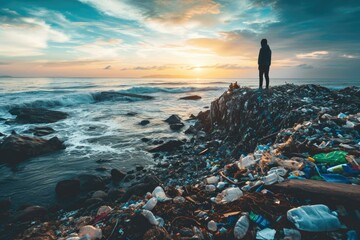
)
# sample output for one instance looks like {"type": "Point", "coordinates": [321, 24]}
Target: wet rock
{"type": "Point", "coordinates": [138, 167]}
{"type": "Point", "coordinates": [190, 130]}
{"type": "Point", "coordinates": [191, 97]}
{"type": "Point", "coordinates": [103, 161]}
{"type": "Point", "coordinates": [117, 175]}
{"type": "Point", "coordinates": [144, 139]}
{"type": "Point", "coordinates": [129, 178]}
{"type": "Point", "coordinates": [41, 131]}
{"type": "Point", "coordinates": [116, 193]}
{"type": "Point", "coordinates": [102, 169]}
{"type": "Point", "coordinates": [37, 115]}
{"type": "Point", "coordinates": [144, 122]}
{"type": "Point", "coordinates": [2, 135]}
{"type": "Point", "coordinates": [157, 142]}
{"type": "Point", "coordinates": [113, 96]}
{"type": "Point", "coordinates": [131, 114]}
{"type": "Point", "coordinates": [99, 194]}
{"type": "Point", "coordinates": [168, 146]}
{"type": "Point", "coordinates": [176, 126]}
{"type": "Point", "coordinates": [146, 185]}
{"type": "Point", "coordinates": [67, 188]}
{"type": "Point", "coordinates": [93, 201]}
{"type": "Point", "coordinates": [31, 213]}
{"type": "Point", "coordinates": [16, 148]}
{"type": "Point", "coordinates": [91, 182]}
{"type": "Point", "coordinates": [173, 119]}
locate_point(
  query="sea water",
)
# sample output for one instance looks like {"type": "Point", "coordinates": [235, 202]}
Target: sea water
{"type": "Point", "coordinates": [103, 130]}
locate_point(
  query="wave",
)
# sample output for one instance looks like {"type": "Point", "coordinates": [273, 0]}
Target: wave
{"type": "Point", "coordinates": [141, 90]}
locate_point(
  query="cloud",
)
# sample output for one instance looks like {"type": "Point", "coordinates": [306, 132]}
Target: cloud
{"type": "Point", "coordinates": [26, 36]}
{"type": "Point", "coordinates": [305, 66]}
{"type": "Point", "coordinates": [146, 68]}
{"type": "Point", "coordinates": [313, 55]}
{"type": "Point", "coordinates": [100, 49]}
{"type": "Point", "coordinates": [108, 67]}
{"type": "Point", "coordinates": [160, 15]}
{"type": "Point", "coordinates": [220, 66]}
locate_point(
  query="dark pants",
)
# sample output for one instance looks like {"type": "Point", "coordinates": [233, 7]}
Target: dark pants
{"type": "Point", "coordinates": [264, 70]}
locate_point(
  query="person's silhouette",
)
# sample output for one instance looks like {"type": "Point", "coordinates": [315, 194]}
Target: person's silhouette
{"type": "Point", "coordinates": [264, 62]}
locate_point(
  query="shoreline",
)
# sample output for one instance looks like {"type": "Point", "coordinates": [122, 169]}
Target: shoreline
{"type": "Point", "coordinates": [217, 144]}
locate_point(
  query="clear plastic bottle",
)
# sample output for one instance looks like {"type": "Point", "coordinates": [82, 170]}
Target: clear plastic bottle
{"type": "Point", "coordinates": [259, 220]}
{"type": "Point", "coordinates": [241, 227]}
{"type": "Point", "coordinates": [272, 178]}
{"type": "Point", "coordinates": [150, 204]}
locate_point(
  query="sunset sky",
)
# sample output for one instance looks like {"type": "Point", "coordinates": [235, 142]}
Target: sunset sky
{"type": "Point", "coordinates": [203, 38]}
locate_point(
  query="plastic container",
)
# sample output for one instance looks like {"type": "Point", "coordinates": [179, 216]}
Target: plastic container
{"type": "Point", "coordinates": [314, 218]}
{"type": "Point", "coordinates": [150, 204]}
{"type": "Point", "coordinates": [241, 227]}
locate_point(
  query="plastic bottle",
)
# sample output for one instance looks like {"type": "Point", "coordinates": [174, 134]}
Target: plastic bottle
{"type": "Point", "coordinates": [272, 178]}
{"type": "Point", "coordinates": [278, 170]}
{"type": "Point", "coordinates": [241, 227]}
{"type": "Point", "coordinates": [150, 217]}
{"type": "Point", "coordinates": [210, 188]}
{"type": "Point", "coordinates": [212, 226]}
{"type": "Point", "coordinates": [228, 195]}
{"type": "Point", "coordinates": [160, 194]}
{"type": "Point", "coordinates": [150, 204]}
{"type": "Point", "coordinates": [221, 185]}
{"type": "Point", "coordinates": [259, 220]}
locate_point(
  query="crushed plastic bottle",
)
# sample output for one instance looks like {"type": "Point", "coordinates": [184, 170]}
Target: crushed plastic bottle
{"type": "Point", "coordinates": [272, 178]}
{"type": "Point", "coordinates": [160, 194]}
{"type": "Point", "coordinates": [228, 195]}
{"type": "Point", "coordinates": [259, 220]}
{"type": "Point", "coordinates": [241, 227]}
{"type": "Point", "coordinates": [150, 217]}
{"type": "Point", "coordinates": [150, 204]}
{"type": "Point", "coordinates": [314, 218]}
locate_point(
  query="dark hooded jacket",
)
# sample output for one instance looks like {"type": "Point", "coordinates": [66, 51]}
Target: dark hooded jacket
{"type": "Point", "coordinates": [264, 55]}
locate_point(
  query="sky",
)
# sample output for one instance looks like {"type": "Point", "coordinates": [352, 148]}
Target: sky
{"type": "Point", "coordinates": [179, 38]}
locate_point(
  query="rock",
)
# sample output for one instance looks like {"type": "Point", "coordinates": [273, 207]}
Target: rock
{"type": "Point", "coordinates": [16, 148]}
{"type": "Point", "coordinates": [176, 126]}
{"type": "Point", "coordinates": [191, 97]}
{"type": "Point", "coordinates": [173, 119]}
{"type": "Point", "coordinates": [168, 146]}
{"type": "Point", "coordinates": [102, 169]}
{"type": "Point", "coordinates": [31, 213]}
{"type": "Point", "coordinates": [157, 142]}
{"type": "Point", "coordinates": [131, 114]}
{"type": "Point", "coordinates": [144, 139]}
{"type": "Point", "coordinates": [113, 96]}
{"type": "Point", "coordinates": [2, 135]}
{"type": "Point", "coordinates": [117, 175]}
{"type": "Point", "coordinates": [103, 161]}
{"type": "Point", "coordinates": [144, 122]}
{"type": "Point", "coordinates": [129, 178]}
{"type": "Point", "coordinates": [41, 131]}
{"type": "Point", "coordinates": [37, 115]}
{"type": "Point", "coordinates": [91, 182]}
{"type": "Point", "coordinates": [146, 185]}
{"type": "Point", "coordinates": [116, 193]}
{"type": "Point", "coordinates": [191, 130]}
{"type": "Point", "coordinates": [5, 204]}
{"type": "Point", "coordinates": [204, 118]}
{"type": "Point", "coordinates": [67, 188]}
{"type": "Point", "coordinates": [99, 194]}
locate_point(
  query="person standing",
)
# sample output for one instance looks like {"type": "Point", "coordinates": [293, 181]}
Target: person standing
{"type": "Point", "coordinates": [264, 62]}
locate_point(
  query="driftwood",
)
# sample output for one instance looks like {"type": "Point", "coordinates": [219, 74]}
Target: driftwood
{"type": "Point", "coordinates": [324, 192]}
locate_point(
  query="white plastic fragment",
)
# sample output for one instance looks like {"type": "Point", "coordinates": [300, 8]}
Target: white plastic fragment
{"type": "Point", "coordinates": [228, 195]}
{"type": "Point", "coordinates": [241, 227]}
{"type": "Point", "coordinates": [247, 161]}
{"type": "Point", "coordinates": [266, 234]}
{"type": "Point", "coordinates": [212, 180]}
{"type": "Point", "coordinates": [150, 204]}
{"type": "Point", "coordinates": [160, 194]}
{"type": "Point", "coordinates": [91, 231]}
{"type": "Point", "coordinates": [104, 210]}
{"type": "Point", "coordinates": [212, 226]}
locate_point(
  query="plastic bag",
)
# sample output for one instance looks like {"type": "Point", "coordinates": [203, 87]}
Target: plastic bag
{"type": "Point", "coordinates": [228, 195]}
{"type": "Point", "coordinates": [335, 157]}
{"type": "Point", "coordinates": [314, 218]}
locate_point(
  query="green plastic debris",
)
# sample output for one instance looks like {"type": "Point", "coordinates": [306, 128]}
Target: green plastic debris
{"type": "Point", "coordinates": [335, 157]}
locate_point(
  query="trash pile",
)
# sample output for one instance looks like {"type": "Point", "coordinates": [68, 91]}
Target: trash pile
{"type": "Point", "coordinates": [303, 185]}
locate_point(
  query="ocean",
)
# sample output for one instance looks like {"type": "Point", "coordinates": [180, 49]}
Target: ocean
{"type": "Point", "coordinates": [103, 130]}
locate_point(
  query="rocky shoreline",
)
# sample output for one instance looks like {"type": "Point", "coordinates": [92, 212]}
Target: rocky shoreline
{"type": "Point", "coordinates": [228, 180]}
